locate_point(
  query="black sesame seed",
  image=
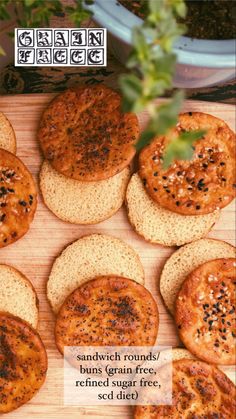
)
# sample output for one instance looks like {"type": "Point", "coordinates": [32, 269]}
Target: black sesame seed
{"type": "Point", "coordinates": [198, 207]}
{"type": "Point", "coordinates": [23, 203]}
{"type": "Point", "coordinates": [231, 311]}
{"type": "Point", "coordinates": [164, 177]}
{"type": "Point", "coordinates": [2, 217]}
{"type": "Point", "coordinates": [223, 337]}
{"type": "Point", "coordinates": [217, 344]}
{"type": "Point", "coordinates": [222, 163]}
{"type": "Point", "coordinates": [200, 156]}
{"type": "Point", "coordinates": [190, 113]}
{"type": "Point", "coordinates": [223, 179]}
{"type": "Point", "coordinates": [155, 189]}
{"type": "Point", "coordinates": [177, 203]}
{"type": "Point", "coordinates": [206, 189]}
{"type": "Point", "coordinates": [155, 173]}
{"type": "Point", "coordinates": [179, 173]}
{"type": "Point", "coordinates": [205, 165]}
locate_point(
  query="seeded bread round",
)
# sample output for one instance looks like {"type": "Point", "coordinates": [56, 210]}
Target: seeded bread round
{"type": "Point", "coordinates": [89, 257]}
{"type": "Point", "coordinates": [7, 135]}
{"type": "Point", "coordinates": [199, 391]}
{"type": "Point", "coordinates": [108, 311]}
{"type": "Point", "coordinates": [198, 186]}
{"type": "Point", "coordinates": [84, 134]}
{"type": "Point", "coordinates": [18, 198]}
{"type": "Point", "coordinates": [205, 311]}
{"type": "Point", "coordinates": [82, 202]}
{"type": "Point", "coordinates": [158, 225]}
{"type": "Point", "coordinates": [17, 295]}
{"type": "Point", "coordinates": [23, 362]}
{"type": "Point", "coordinates": [185, 260]}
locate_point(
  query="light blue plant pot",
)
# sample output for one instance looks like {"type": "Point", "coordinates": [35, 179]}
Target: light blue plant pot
{"type": "Point", "coordinates": [200, 63]}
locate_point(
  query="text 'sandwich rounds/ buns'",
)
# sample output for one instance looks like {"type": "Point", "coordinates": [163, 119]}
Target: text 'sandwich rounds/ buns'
{"type": "Point", "coordinates": [17, 295]}
{"type": "Point", "coordinates": [82, 202]}
{"type": "Point", "coordinates": [161, 226]}
{"type": "Point", "coordinates": [87, 258]}
{"type": "Point", "coordinates": [199, 391]}
{"type": "Point", "coordinates": [23, 362]}
{"type": "Point", "coordinates": [205, 183]}
{"type": "Point", "coordinates": [205, 311]}
{"type": "Point", "coordinates": [85, 136]}
{"type": "Point", "coordinates": [7, 135]}
{"type": "Point", "coordinates": [18, 198]}
{"type": "Point", "coordinates": [108, 311]}
{"type": "Point", "coordinates": [184, 260]}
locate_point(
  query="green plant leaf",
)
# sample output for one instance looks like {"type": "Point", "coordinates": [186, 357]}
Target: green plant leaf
{"type": "Point", "coordinates": [181, 148]}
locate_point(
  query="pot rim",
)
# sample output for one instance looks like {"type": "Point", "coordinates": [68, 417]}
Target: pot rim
{"type": "Point", "coordinates": [189, 51]}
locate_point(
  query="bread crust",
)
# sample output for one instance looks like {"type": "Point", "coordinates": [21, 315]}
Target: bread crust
{"type": "Point", "coordinates": [205, 311]}
{"type": "Point", "coordinates": [199, 391]}
{"type": "Point", "coordinates": [200, 186]}
{"type": "Point", "coordinates": [84, 134]}
{"type": "Point", "coordinates": [18, 198]}
{"type": "Point", "coordinates": [108, 311]}
{"type": "Point", "coordinates": [23, 362]}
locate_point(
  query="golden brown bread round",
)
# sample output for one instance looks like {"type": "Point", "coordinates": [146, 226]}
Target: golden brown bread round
{"type": "Point", "coordinates": [199, 391]}
{"type": "Point", "coordinates": [23, 362]}
{"type": "Point", "coordinates": [205, 183]}
{"type": "Point", "coordinates": [18, 198]}
{"type": "Point", "coordinates": [84, 134]}
{"type": "Point", "coordinates": [205, 311]}
{"type": "Point", "coordinates": [107, 311]}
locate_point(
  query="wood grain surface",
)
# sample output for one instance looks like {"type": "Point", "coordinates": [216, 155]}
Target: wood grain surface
{"type": "Point", "coordinates": [48, 236]}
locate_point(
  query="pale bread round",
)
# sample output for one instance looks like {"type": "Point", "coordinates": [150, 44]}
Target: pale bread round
{"type": "Point", "coordinates": [87, 258]}
{"type": "Point", "coordinates": [160, 226]}
{"type": "Point", "coordinates": [17, 295]}
{"type": "Point", "coordinates": [182, 262]}
{"type": "Point", "coordinates": [81, 202]}
{"type": "Point", "coordinates": [7, 135]}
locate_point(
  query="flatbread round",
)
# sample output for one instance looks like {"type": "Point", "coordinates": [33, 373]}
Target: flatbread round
{"type": "Point", "coordinates": [108, 311]}
{"type": "Point", "coordinates": [23, 362]}
{"type": "Point", "coordinates": [18, 198]}
{"type": "Point", "coordinates": [158, 225]}
{"type": "Point", "coordinates": [7, 134]}
{"type": "Point", "coordinates": [199, 391]}
{"type": "Point", "coordinates": [205, 183]}
{"type": "Point", "coordinates": [85, 136]}
{"type": "Point", "coordinates": [205, 311]}
{"type": "Point", "coordinates": [184, 260]}
{"type": "Point", "coordinates": [17, 295]}
{"type": "Point", "coordinates": [89, 257]}
{"type": "Point", "coordinates": [82, 202]}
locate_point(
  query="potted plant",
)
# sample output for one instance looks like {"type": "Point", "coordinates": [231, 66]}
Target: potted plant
{"type": "Point", "coordinates": [200, 62]}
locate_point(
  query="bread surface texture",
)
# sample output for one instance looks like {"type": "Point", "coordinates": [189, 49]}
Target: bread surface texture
{"type": "Point", "coordinates": [159, 225]}
{"type": "Point", "coordinates": [17, 295]}
{"type": "Point", "coordinates": [184, 260]}
{"type": "Point", "coordinates": [7, 134]}
{"type": "Point", "coordinates": [89, 257]}
{"type": "Point", "coordinates": [81, 202]}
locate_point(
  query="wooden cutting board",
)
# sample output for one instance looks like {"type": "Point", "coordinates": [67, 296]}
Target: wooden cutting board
{"type": "Point", "coordinates": [48, 236]}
